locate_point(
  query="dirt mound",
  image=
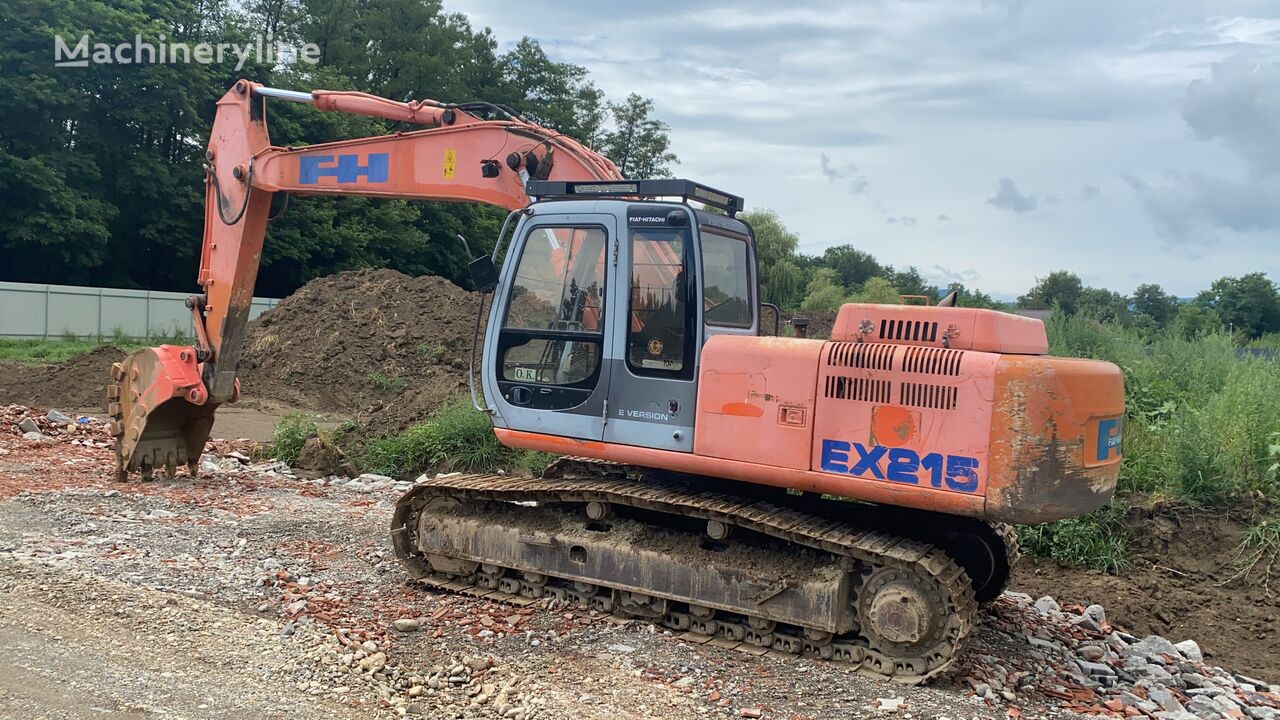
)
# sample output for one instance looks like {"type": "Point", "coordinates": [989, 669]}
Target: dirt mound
{"type": "Point", "coordinates": [78, 383]}
{"type": "Point", "coordinates": [377, 344]}
{"type": "Point", "coordinates": [1181, 584]}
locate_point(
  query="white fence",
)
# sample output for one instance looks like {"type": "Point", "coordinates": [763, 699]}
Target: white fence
{"type": "Point", "coordinates": [42, 311]}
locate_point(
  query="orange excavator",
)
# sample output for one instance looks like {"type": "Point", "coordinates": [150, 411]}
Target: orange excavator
{"type": "Point", "coordinates": [843, 498]}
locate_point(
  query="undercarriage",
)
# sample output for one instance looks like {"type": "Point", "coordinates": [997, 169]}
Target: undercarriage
{"type": "Point", "coordinates": [755, 570]}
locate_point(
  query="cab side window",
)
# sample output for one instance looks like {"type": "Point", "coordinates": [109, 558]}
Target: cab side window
{"type": "Point", "coordinates": [726, 281]}
{"type": "Point", "coordinates": [658, 339]}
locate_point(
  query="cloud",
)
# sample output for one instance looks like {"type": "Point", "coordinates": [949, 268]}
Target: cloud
{"type": "Point", "coordinates": [944, 276]}
{"type": "Point", "coordinates": [928, 96]}
{"type": "Point", "coordinates": [943, 217]}
{"type": "Point", "coordinates": [1090, 192]}
{"type": "Point", "coordinates": [1237, 105]}
{"type": "Point", "coordinates": [845, 173]}
{"type": "Point", "coordinates": [903, 220]}
{"type": "Point", "coordinates": [1191, 208]}
{"type": "Point", "coordinates": [1009, 197]}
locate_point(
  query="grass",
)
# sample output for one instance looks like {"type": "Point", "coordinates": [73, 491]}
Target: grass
{"type": "Point", "coordinates": [455, 437]}
{"type": "Point", "coordinates": [69, 345]}
{"type": "Point", "coordinates": [1096, 540]}
{"type": "Point", "coordinates": [290, 434]}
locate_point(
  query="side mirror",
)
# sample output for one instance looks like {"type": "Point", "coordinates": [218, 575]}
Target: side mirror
{"type": "Point", "coordinates": [484, 274]}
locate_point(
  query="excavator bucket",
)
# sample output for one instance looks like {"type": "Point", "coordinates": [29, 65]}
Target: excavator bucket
{"type": "Point", "coordinates": [160, 415]}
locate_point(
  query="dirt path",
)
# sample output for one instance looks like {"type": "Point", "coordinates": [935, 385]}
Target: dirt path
{"type": "Point", "coordinates": [244, 595]}
{"type": "Point", "coordinates": [256, 593]}
{"type": "Point", "coordinates": [80, 646]}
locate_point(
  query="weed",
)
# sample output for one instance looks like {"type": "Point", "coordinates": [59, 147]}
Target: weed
{"type": "Point", "coordinates": [290, 434]}
{"type": "Point", "coordinates": [431, 352]}
{"type": "Point", "coordinates": [386, 383]}
{"type": "Point", "coordinates": [455, 437]}
{"type": "Point", "coordinates": [1096, 540]}
{"type": "Point", "coordinates": [1258, 552]}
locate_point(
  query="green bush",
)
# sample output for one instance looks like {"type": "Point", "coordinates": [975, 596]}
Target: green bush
{"type": "Point", "coordinates": [455, 437]}
{"type": "Point", "coordinates": [1096, 540]}
{"type": "Point", "coordinates": [290, 434]}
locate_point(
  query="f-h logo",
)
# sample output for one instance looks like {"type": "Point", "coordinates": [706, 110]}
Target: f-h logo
{"type": "Point", "coordinates": [346, 169]}
{"type": "Point", "coordinates": [1108, 438]}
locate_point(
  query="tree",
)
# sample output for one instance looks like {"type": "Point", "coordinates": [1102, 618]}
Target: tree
{"type": "Point", "coordinates": [878, 290]}
{"type": "Point", "coordinates": [1152, 301]}
{"type": "Point", "coordinates": [1060, 289]}
{"type": "Point", "coordinates": [557, 95]}
{"type": "Point", "coordinates": [973, 298]}
{"type": "Point", "coordinates": [1249, 304]}
{"type": "Point", "coordinates": [1195, 321]}
{"type": "Point", "coordinates": [853, 266]}
{"type": "Point", "coordinates": [782, 282]}
{"type": "Point", "coordinates": [911, 282]}
{"type": "Point", "coordinates": [824, 292]}
{"type": "Point", "coordinates": [1103, 305]}
{"type": "Point", "coordinates": [638, 144]}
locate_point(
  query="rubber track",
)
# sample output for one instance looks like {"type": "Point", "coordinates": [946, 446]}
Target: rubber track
{"type": "Point", "coordinates": [871, 548]}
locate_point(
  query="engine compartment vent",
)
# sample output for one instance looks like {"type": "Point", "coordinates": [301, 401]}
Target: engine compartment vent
{"type": "Point", "coordinates": [869, 356]}
{"type": "Point", "coordinates": [913, 330]}
{"type": "Point", "coordinates": [931, 361]}
{"type": "Point", "coordinates": [926, 395]}
{"type": "Point", "coordinates": [840, 387]}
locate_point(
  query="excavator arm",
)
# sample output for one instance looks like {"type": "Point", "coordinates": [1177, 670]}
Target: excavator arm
{"type": "Point", "coordinates": [162, 400]}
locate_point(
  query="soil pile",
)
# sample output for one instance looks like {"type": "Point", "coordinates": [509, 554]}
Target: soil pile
{"type": "Point", "coordinates": [378, 344]}
{"type": "Point", "coordinates": [77, 384]}
{"type": "Point", "coordinates": [1185, 581]}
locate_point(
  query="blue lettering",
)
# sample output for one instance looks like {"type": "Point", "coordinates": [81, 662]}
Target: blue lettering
{"type": "Point", "coordinates": [377, 168]}
{"type": "Point", "coordinates": [903, 464]}
{"type": "Point", "coordinates": [962, 473]}
{"type": "Point", "coordinates": [868, 460]}
{"type": "Point", "coordinates": [1108, 438]}
{"type": "Point", "coordinates": [835, 456]}
{"type": "Point", "coordinates": [958, 473]}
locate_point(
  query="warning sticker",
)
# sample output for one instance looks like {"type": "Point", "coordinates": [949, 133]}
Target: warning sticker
{"type": "Point", "coordinates": [450, 162]}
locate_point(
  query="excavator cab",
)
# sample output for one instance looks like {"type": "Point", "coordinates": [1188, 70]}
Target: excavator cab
{"type": "Point", "coordinates": [604, 303]}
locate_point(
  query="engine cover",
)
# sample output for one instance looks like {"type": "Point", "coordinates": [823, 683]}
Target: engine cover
{"type": "Point", "coordinates": [924, 421]}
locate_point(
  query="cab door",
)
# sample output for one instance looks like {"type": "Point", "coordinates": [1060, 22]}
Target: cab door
{"type": "Point", "coordinates": [546, 344]}
{"type": "Point", "coordinates": [656, 323]}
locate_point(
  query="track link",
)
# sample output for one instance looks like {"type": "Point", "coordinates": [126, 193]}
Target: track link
{"type": "Point", "coordinates": [913, 606]}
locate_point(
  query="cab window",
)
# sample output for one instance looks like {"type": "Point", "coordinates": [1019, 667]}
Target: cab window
{"type": "Point", "coordinates": [726, 281]}
{"type": "Point", "coordinates": [553, 331]}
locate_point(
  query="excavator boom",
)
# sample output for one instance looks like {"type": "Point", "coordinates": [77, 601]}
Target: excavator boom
{"type": "Point", "coordinates": [162, 400]}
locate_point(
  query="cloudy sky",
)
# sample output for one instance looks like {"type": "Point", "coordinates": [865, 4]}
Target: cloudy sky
{"type": "Point", "coordinates": [987, 141]}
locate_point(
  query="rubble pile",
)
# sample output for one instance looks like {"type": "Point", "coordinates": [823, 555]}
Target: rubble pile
{"type": "Point", "coordinates": [1036, 655]}
{"type": "Point", "coordinates": [54, 426]}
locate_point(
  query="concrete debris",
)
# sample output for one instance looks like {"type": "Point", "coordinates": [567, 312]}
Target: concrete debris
{"type": "Point", "coordinates": [1076, 661]}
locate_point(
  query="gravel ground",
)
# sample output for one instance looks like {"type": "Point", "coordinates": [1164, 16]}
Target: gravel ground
{"type": "Point", "coordinates": [249, 592]}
